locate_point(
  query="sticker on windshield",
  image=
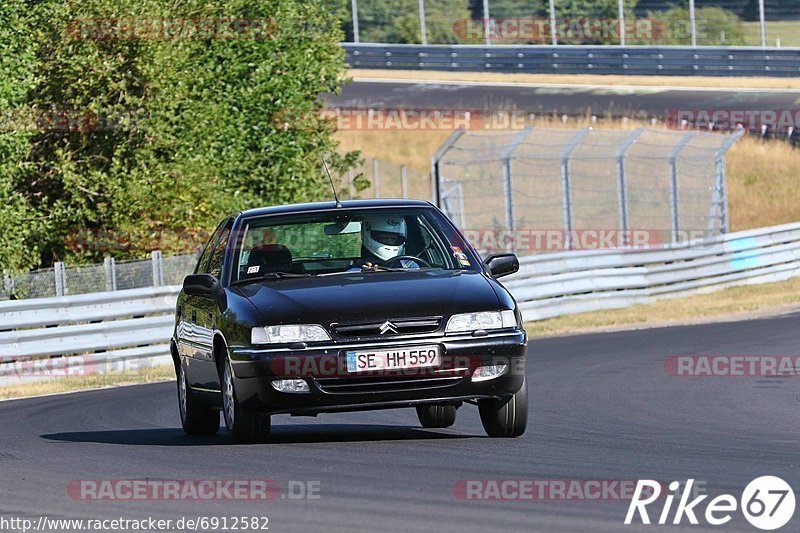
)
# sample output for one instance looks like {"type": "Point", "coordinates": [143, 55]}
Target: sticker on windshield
{"type": "Point", "coordinates": [253, 269]}
{"type": "Point", "coordinates": [460, 255]}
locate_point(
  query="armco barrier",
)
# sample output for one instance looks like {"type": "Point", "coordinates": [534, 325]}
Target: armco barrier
{"type": "Point", "coordinates": [565, 59]}
{"type": "Point", "coordinates": [563, 283]}
{"type": "Point", "coordinates": [95, 332]}
{"type": "Point", "coordinates": [85, 334]}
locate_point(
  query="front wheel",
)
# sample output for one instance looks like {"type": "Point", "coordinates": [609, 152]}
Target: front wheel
{"type": "Point", "coordinates": [506, 417]}
{"type": "Point", "coordinates": [436, 416]}
{"type": "Point", "coordinates": [244, 426]}
{"type": "Point", "coordinates": [196, 419]}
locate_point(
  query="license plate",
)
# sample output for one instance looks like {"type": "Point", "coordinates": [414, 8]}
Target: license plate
{"type": "Point", "coordinates": [393, 359]}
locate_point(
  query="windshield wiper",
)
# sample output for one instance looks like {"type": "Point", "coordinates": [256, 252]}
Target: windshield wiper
{"type": "Point", "coordinates": [379, 269]}
{"type": "Point", "coordinates": [272, 275]}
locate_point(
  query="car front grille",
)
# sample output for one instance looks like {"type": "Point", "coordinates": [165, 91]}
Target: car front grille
{"type": "Point", "coordinates": [388, 328]}
{"type": "Point", "coordinates": [387, 383]}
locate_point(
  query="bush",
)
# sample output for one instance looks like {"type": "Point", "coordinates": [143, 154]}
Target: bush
{"type": "Point", "coordinates": [180, 131]}
{"type": "Point", "coordinates": [715, 26]}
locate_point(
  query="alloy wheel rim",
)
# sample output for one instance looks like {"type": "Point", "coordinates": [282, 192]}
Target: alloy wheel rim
{"type": "Point", "coordinates": [228, 397]}
{"type": "Point", "coordinates": [182, 393]}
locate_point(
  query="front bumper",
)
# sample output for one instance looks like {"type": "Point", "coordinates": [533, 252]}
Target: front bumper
{"type": "Point", "coordinates": [333, 389]}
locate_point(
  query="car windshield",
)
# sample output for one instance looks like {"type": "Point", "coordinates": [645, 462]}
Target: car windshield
{"type": "Point", "coordinates": [348, 240]}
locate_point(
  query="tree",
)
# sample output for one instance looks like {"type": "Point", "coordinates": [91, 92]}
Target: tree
{"type": "Point", "coordinates": [18, 49]}
{"type": "Point", "coordinates": [166, 131]}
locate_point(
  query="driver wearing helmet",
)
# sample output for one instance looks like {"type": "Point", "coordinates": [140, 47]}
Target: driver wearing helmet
{"type": "Point", "coordinates": [382, 239]}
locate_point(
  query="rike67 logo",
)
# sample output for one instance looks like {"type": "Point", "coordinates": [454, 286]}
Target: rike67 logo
{"type": "Point", "coordinates": [767, 503]}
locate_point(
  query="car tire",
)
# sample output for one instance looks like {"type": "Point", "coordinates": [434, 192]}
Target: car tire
{"type": "Point", "coordinates": [245, 427]}
{"type": "Point", "coordinates": [506, 417]}
{"type": "Point", "coordinates": [196, 419]}
{"type": "Point", "coordinates": [436, 416]}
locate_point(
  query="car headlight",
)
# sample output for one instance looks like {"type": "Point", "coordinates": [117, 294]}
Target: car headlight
{"type": "Point", "coordinates": [483, 320]}
{"type": "Point", "coordinates": [287, 334]}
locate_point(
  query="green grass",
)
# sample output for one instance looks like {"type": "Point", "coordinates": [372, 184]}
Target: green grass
{"type": "Point", "coordinates": [788, 31]}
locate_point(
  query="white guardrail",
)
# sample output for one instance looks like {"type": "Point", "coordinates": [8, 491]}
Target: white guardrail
{"type": "Point", "coordinates": [112, 331]}
{"type": "Point", "coordinates": [96, 333]}
{"type": "Point", "coordinates": [575, 282]}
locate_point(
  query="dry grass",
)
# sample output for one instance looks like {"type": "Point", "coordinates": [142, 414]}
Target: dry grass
{"type": "Point", "coordinates": [411, 148]}
{"type": "Point", "coordinates": [67, 384]}
{"type": "Point", "coordinates": [733, 303]}
{"type": "Point", "coordinates": [763, 184]}
{"type": "Point", "coordinates": [783, 30]}
{"type": "Point", "coordinates": [584, 79]}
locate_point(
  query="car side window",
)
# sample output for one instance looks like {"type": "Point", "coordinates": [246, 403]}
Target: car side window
{"type": "Point", "coordinates": [202, 262]}
{"type": "Point", "coordinates": [217, 256]}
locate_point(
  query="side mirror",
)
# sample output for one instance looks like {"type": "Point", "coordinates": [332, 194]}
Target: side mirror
{"type": "Point", "coordinates": [502, 264]}
{"type": "Point", "coordinates": [199, 284]}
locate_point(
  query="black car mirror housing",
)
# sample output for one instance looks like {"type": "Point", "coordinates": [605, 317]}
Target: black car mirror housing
{"type": "Point", "coordinates": [502, 264]}
{"type": "Point", "coordinates": [199, 285]}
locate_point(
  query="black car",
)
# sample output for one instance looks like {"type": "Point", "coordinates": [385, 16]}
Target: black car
{"type": "Point", "coordinates": [329, 307]}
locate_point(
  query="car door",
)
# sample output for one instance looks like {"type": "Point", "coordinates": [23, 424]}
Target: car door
{"type": "Point", "coordinates": [196, 321]}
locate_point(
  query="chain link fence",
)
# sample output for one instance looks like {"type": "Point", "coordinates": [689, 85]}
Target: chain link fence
{"type": "Point", "coordinates": [727, 23]}
{"type": "Point", "coordinates": [388, 180]}
{"type": "Point", "coordinates": [542, 190]}
{"type": "Point", "coordinates": [67, 280]}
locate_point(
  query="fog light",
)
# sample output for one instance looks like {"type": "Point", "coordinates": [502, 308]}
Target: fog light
{"type": "Point", "coordinates": [290, 385]}
{"type": "Point", "coordinates": [484, 373]}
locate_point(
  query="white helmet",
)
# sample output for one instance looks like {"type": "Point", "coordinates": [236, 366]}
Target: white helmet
{"type": "Point", "coordinates": [384, 236]}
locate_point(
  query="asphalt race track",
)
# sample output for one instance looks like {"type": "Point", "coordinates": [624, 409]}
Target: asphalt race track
{"type": "Point", "coordinates": [603, 408]}
{"type": "Point", "coordinates": [632, 102]}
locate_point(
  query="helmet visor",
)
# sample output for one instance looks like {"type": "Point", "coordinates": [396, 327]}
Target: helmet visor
{"type": "Point", "coordinates": [388, 238]}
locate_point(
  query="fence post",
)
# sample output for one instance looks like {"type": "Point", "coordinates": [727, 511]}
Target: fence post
{"type": "Point", "coordinates": [436, 196]}
{"type": "Point", "coordinates": [422, 30]}
{"type": "Point", "coordinates": [110, 268]}
{"type": "Point", "coordinates": [8, 283]}
{"type": "Point", "coordinates": [60, 278]}
{"type": "Point", "coordinates": [762, 23]}
{"type": "Point", "coordinates": [158, 268]}
{"type": "Point", "coordinates": [721, 186]}
{"type": "Point", "coordinates": [487, 23]}
{"type": "Point", "coordinates": [673, 183]}
{"type": "Point", "coordinates": [350, 179]}
{"type": "Point", "coordinates": [623, 195]}
{"type": "Point", "coordinates": [566, 190]}
{"type": "Point", "coordinates": [508, 185]}
{"type": "Point", "coordinates": [404, 180]}
{"type": "Point", "coordinates": [354, 6]}
{"type": "Point", "coordinates": [376, 185]}
{"type": "Point", "coordinates": [693, 23]}
{"type": "Point", "coordinates": [621, 22]}
{"type": "Point", "coordinates": [553, 30]}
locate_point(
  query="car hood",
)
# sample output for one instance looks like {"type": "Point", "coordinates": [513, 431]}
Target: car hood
{"type": "Point", "coordinates": [355, 297]}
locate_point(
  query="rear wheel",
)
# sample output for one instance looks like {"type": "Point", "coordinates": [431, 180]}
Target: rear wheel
{"type": "Point", "coordinates": [436, 416]}
{"type": "Point", "coordinates": [506, 417]}
{"type": "Point", "coordinates": [244, 426]}
{"type": "Point", "coordinates": [196, 419]}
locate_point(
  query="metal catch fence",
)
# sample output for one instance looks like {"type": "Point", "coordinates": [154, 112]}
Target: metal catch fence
{"type": "Point", "coordinates": [549, 190]}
